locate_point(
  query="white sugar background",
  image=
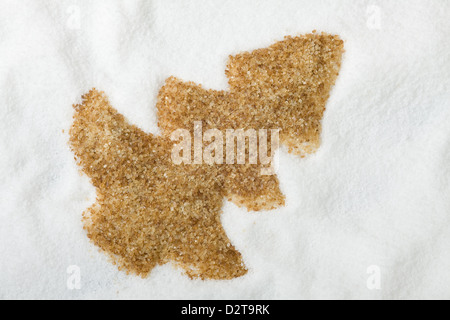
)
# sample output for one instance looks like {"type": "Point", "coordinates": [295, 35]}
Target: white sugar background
{"type": "Point", "coordinates": [376, 193]}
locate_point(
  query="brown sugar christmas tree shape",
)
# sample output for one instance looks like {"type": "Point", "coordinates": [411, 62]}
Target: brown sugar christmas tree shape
{"type": "Point", "coordinates": [151, 211]}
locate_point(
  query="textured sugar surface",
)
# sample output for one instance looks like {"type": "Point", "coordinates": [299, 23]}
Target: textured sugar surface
{"type": "Point", "coordinates": [376, 192]}
{"type": "Point", "coordinates": [150, 211]}
{"type": "Point", "coordinates": [284, 87]}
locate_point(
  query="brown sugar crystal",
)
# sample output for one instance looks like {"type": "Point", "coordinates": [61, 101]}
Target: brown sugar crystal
{"type": "Point", "coordinates": [150, 211]}
{"type": "Point", "coordinates": [289, 84]}
{"type": "Point", "coordinates": [284, 86]}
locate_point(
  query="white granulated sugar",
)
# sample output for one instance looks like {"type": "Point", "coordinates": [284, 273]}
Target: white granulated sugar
{"type": "Point", "coordinates": [375, 197]}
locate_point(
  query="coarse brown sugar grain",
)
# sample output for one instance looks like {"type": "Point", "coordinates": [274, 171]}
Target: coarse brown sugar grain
{"type": "Point", "coordinates": [285, 87]}
{"type": "Point", "coordinates": [181, 104]}
{"type": "Point", "coordinates": [150, 211]}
